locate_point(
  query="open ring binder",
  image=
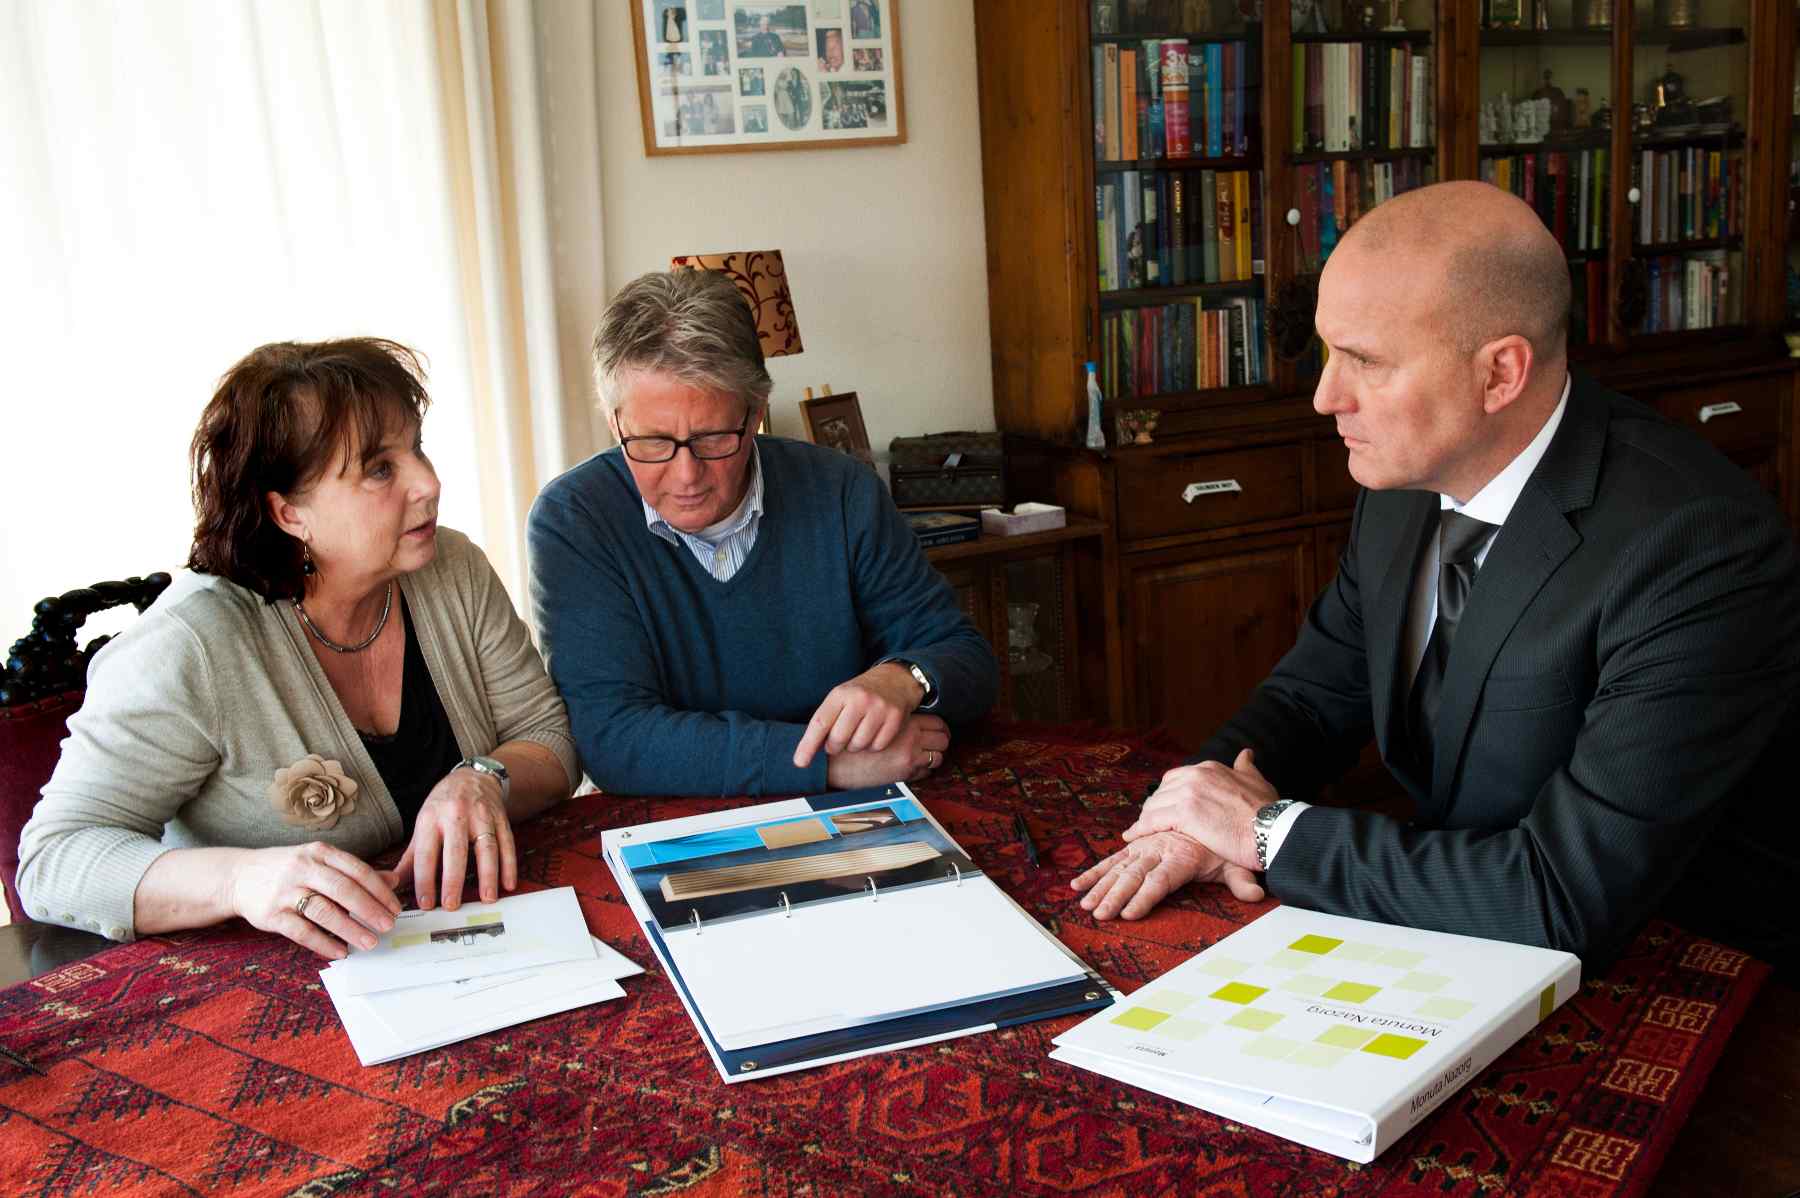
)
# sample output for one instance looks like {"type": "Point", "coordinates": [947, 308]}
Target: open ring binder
{"type": "Point", "coordinates": [795, 972]}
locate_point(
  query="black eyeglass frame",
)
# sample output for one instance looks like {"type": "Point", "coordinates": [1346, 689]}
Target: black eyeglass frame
{"type": "Point", "coordinates": [677, 445]}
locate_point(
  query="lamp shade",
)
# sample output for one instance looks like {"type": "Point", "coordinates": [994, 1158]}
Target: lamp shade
{"type": "Point", "coordinates": [762, 281]}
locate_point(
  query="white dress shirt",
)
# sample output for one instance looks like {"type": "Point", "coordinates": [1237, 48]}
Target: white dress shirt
{"type": "Point", "coordinates": [1492, 504]}
{"type": "Point", "coordinates": [720, 548]}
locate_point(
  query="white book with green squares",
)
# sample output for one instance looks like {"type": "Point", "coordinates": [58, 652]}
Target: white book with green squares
{"type": "Point", "coordinates": [1336, 1033]}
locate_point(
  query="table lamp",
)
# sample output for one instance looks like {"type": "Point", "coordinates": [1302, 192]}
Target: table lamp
{"type": "Point", "coordinates": [762, 280]}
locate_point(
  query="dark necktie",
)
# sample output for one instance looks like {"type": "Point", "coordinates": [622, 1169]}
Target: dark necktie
{"type": "Point", "coordinates": [1460, 539]}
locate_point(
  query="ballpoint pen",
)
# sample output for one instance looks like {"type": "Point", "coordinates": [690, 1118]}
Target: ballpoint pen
{"type": "Point", "coordinates": [1025, 839]}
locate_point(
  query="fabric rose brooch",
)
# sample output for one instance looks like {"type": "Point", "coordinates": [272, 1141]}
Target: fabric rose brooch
{"type": "Point", "coordinates": [313, 793]}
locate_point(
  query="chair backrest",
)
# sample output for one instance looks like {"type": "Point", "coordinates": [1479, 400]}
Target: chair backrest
{"type": "Point", "coordinates": [41, 685]}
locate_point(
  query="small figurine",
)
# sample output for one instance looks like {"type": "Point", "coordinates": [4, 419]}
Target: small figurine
{"type": "Point", "coordinates": [1559, 103]}
{"type": "Point", "coordinates": [1584, 105]}
{"type": "Point", "coordinates": [1396, 24]}
{"type": "Point", "coordinates": [1135, 426]}
{"type": "Point", "coordinates": [1307, 16]}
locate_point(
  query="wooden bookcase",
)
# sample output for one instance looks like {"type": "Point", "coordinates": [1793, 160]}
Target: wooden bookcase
{"type": "Point", "coordinates": [1207, 593]}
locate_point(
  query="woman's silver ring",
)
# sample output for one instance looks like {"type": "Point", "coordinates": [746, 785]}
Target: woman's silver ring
{"type": "Point", "coordinates": [485, 836]}
{"type": "Point", "coordinates": [934, 758]}
{"type": "Point", "coordinates": [300, 904]}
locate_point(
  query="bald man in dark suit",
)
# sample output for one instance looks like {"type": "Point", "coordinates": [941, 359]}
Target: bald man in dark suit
{"type": "Point", "coordinates": [1572, 628]}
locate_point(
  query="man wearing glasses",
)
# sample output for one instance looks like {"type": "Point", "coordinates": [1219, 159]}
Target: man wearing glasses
{"type": "Point", "coordinates": [730, 615]}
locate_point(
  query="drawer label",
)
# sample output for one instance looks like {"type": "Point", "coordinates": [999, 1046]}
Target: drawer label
{"type": "Point", "coordinates": [1217, 486]}
{"type": "Point", "coordinates": [1727, 408]}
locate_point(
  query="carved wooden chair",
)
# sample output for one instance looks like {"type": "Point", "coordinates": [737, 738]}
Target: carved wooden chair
{"type": "Point", "coordinates": [41, 685]}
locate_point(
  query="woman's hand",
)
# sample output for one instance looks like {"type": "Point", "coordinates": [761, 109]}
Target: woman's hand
{"type": "Point", "coordinates": [462, 810]}
{"type": "Point", "coordinates": [316, 895]}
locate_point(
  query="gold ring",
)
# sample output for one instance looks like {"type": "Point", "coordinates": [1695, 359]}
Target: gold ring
{"type": "Point", "coordinates": [487, 835]}
{"type": "Point", "coordinates": [300, 904]}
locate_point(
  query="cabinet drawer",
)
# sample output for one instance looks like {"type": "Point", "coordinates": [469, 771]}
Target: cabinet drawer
{"type": "Point", "coordinates": [1743, 414]}
{"type": "Point", "coordinates": [1239, 487]}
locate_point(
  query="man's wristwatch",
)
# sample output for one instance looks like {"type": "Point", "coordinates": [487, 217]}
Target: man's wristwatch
{"type": "Point", "coordinates": [1264, 823]}
{"type": "Point", "coordinates": [919, 676]}
{"type": "Point", "coordinates": [491, 767]}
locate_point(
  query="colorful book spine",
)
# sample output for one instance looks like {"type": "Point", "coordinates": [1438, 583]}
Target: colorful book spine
{"type": "Point", "coordinates": [1209, 206]}
{"type": "Point", "coordinates": [1227, 228]}
{"type": "Point", "coordinates": [1128, 87]}
{"type": "Point", "coordinates": [1155, 143]}
{"type": "Point", "coordinates": [1178, 251]}
{"type": "Point", "coordinates": [1109, 90]}
{"type": "Point", "coordinates": [1240, 206]}
{"type": "Point", "coordinates": [1177, 122]}
{"type": "Point", "coordinates": [1215, 109]}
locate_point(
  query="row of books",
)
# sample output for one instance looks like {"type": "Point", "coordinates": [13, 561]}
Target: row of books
{"type": "Point", "coordinates": [1688, 194]}
{"type": "Point", "coordinates": [1332, 196]}
{"type": "Point", "coordinates": [1132, 16]}
{"type": "Point", "coordinates": [1569, 191]}
{"type": "Point", "coordinates": [1177, 228]}
{"type": "Point", "coordinates": [1589, 310]}
{"type": "Point", "coordinates": [1189, 345]}
{"type": "Point", "coordinates": [1691, 291]}
{"type": "Point", "coordinates": [1172, 98]}
{"type": "Point", "coordinates": [1361, 96]}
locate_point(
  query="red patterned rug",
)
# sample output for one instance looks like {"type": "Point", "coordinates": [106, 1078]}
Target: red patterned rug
{"type": "Point", "coordinates": [212, 1061]}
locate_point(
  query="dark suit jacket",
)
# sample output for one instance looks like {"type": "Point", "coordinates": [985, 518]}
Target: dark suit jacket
{"type": "Point", "coordinates": [1628, 657]}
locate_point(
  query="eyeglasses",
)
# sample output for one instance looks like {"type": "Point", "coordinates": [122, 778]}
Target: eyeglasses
{"type": "Point", "coordinates": [708, 447]}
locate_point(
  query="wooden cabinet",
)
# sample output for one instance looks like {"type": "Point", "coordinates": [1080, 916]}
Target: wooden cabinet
{"type": "Point", "coordinates": [1207, 622]}
{"type": "Point", "coordinates": [1020, 592]}
{"type": "Point", "coordinates": [1233, 518]}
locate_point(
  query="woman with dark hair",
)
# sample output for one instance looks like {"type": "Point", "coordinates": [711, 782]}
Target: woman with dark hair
{"type": "Point", "coordinates": [336, 676]}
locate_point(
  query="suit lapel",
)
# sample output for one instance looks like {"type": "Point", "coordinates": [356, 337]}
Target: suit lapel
{"type": "Point", "coordinates": [1533, 543]}
{"type": "Point", "coordinates": [1398, 561]}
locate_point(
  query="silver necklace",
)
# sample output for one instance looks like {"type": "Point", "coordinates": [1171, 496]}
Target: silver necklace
{"type": "Point", "coordinates": [386, 607]}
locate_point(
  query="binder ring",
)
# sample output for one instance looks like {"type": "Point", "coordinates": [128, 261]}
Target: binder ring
{"type": "Point", "coordinates": [874, 894]}
{"type": "Point", "coordinates": [958, 869]}
{"type": "Point", "coordinates": [787, 908]}
{"type": "Point", "coordinates": [694, 918]}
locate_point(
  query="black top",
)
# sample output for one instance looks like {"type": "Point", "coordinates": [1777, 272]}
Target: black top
{"type": "Point", "coordinates": [423, 748]}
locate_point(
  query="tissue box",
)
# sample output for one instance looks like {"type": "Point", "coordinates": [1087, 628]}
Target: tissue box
{"type": "Point", "coordinates": [1024, 518]}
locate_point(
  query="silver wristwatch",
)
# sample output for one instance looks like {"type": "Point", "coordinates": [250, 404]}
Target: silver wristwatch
{"type": "Point", "coordinates": [1264, 823]}
{"type": "Point", "coordinates": [493, 768]}
{"type": "Point", "coordinates": [919, 676]}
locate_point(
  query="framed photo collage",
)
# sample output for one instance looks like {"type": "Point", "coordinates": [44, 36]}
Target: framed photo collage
{"type": "Point", "coordinates": [728, 75]}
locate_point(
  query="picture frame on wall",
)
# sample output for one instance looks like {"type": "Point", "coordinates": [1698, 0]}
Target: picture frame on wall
{"type": "Point", "coordinates": [727, 76]}
{"type": "Point", "coordinates": [836, 422]}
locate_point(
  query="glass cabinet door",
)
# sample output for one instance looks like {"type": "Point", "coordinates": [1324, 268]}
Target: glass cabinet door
{"type": "Point", "coordinates": [1178, 212]}
{"type": "Point", "coordinates": [1544, 130]}
{"type": "Point", "coordinates": [1359, 126]}
{"type": "Point", "coordinates": [1690, 95]}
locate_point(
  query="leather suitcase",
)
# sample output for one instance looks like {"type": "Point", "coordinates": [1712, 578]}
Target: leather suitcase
{"type": "Point", "coordinates": [942, 469]}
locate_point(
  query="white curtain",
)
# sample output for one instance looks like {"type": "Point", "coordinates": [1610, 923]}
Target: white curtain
{"type": "Point", "coordinates": [181, 181]}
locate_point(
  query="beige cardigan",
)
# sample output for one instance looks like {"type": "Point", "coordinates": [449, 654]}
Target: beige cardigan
{"type": "Point", "coordinates": [190, 712]}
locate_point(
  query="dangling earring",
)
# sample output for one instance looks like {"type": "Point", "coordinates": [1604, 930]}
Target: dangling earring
{"type": "Point", "coordinates": [306, 562]}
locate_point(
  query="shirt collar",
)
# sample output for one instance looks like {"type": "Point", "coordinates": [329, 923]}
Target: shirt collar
{"type": "Point", "coordinates": [1494, 502]}
{"type": "Point", "coordinates": [750, 509]}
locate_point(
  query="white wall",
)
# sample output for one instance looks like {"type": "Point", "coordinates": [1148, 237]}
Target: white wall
{"type": "Point", "coordinates": [884, 246]}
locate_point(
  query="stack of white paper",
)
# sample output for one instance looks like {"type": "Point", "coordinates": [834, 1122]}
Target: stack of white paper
{"type": "Point", "coordinates": [442, 976]}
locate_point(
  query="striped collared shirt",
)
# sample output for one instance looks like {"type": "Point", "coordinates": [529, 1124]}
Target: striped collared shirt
{"type": "Point", "coordinates": [720, 548]}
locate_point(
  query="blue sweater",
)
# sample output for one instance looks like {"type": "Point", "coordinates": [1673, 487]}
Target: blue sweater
{"type": "Point", "coordinates": [677, 683]}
